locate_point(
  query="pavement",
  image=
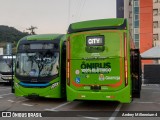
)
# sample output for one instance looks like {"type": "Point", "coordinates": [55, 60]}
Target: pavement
{"type": "Point", "coordinates": [147, 107]}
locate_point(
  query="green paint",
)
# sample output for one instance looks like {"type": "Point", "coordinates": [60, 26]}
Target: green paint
{"type": "Point", "coordinates": [56, 85]}
{"type": "Point", "coordinates": [104, 63]}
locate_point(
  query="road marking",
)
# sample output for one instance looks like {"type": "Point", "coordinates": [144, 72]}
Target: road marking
{"type": "Point", "coordinates": [21, 101]}
{"type": "Point", "coordinates": [156, 92]}
{"type": "Point", "coordinates": [115, 112]}
{"type": "Point", "coordinates": [92, 118]}
{"type": "Point", "coordinates": [15, 101]}
{"type": "Point", "coordinates": [4, 89]}
{"type": "Point", "coordinates": [1, 97]}
{"type": "Point", "coordinates": [145, 102]}
{"type": "Point", "coordinates": [151, 88]}
{"type": "Point", "coordinates": [5, 94]}
{"type": "Point", "coordinates": [29, 105]}
{"type": "Point", "coordinates": [10, 101]}
{"type": "Point", "coordinates": [54, 109]}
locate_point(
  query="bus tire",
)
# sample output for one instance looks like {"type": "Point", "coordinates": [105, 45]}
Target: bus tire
{"type": "Point", "coordinates": [136, 94]}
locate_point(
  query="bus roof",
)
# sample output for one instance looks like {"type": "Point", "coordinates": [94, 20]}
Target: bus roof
{"type": "Point", "coordinates": [100, 24]}
{"type": "Point", "coordinates": [42, 37]}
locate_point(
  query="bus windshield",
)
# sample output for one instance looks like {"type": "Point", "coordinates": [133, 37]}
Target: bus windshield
{"type": "Point", "coordinates": [37, 64]}
{"type": "Point", "coordinates": [5, 65]}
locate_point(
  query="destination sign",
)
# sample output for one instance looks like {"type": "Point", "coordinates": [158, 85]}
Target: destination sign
{"type": "Point", "coordinates": [38, 46]}
{"type": "Point", "coordinates": [95, 40]}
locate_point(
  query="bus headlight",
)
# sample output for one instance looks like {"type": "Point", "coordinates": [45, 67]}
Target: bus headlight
{"type": "Point", "coordinates": [16, 85]}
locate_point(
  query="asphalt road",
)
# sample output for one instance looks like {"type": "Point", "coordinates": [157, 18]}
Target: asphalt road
{"type": "Point", "coordinates": [87, 110]}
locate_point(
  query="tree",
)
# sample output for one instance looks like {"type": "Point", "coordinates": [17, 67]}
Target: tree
{"type": "Point", "coordinates": [10, 34]}
{"type": "Point", "coordinates": [31, 29]}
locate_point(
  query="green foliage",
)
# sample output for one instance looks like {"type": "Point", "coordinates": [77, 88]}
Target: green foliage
{"type": "Point", "coordinates": [10, 34]}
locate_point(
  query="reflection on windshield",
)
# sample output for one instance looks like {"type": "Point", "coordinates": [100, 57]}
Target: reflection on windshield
{"type": "Point", "coordinates": [40, 64]}
{"type": "Point", "coordinates": [6, 65]}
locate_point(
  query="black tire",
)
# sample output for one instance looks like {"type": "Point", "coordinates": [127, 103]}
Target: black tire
{"type": "Point", "coordinates": [136, 94]}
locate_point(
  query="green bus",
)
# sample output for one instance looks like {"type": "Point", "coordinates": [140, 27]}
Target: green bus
{"type": "Point", "coordinates": [102, 63]}
{"type": "Point", "coordinates": [39, 71]}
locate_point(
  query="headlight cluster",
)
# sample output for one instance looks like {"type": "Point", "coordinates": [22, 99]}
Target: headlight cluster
{"type": "Point", "coordinates": [16, 85]}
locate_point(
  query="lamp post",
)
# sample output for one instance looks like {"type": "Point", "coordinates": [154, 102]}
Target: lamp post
{"type": "Point", "coordinates": [12, 81]}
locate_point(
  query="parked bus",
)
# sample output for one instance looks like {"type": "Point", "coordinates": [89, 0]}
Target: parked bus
{"type": "Point", "coordinates": [6, 70]}
{"type": "Point", "coordinates": [102, 64]}
{"type": "Point", "coordinates": [40, 66]}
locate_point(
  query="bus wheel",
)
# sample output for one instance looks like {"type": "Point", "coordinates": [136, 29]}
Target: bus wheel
{"type": "Point", "coordinates": [136, 94]}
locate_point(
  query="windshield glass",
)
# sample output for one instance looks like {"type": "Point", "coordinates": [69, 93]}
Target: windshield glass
{"type": "Point", "coordinates": [5, 65]}
{"type": "Point", "coordinates": [37, 64]}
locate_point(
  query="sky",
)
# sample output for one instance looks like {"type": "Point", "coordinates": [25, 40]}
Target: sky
{"type": "Point", "coordinates": [53, 16]}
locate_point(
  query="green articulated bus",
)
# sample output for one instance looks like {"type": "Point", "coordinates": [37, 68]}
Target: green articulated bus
{"type": "Point", "coordinates": [102, 63]}
{"type": "Point", "coordinates": [40, 66]}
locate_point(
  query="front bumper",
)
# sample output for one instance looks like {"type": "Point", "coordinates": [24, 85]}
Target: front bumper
{"type": "Point", "coordinates": [5, 78]}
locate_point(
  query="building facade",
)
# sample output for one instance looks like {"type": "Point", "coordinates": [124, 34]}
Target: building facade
{"type": "Point", "coordinates": [156, 22]}
{"type": "Point", "coordinates": [140, 16]}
